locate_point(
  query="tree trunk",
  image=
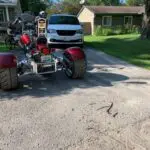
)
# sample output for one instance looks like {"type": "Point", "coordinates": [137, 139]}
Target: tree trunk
{"type": "Point", "coordinates": [146, 21]}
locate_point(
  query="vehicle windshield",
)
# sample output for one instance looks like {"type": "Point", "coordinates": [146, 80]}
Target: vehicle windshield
{"type": "Point", "coordinates": [70, 20]}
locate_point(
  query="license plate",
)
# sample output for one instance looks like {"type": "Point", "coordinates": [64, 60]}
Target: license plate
{"type": "Point", "coordinates": [66, 39]}
{"type": "Point", "coordinates": [46, 58]}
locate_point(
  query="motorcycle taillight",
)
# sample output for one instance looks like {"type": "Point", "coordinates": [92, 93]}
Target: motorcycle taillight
{"type": "Point", "coordinates": [45, 51]}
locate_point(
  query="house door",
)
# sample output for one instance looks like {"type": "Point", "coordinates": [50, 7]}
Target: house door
{"type": "Point", "coordinates": [87, 28]}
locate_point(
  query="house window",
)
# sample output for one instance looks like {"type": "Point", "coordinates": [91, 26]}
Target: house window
{"type": "Point", "coordinates": [107, 21]}
{"type": "Point", "coordinates": [128, 20]}
{"type": "Point", "coordinates": [2, 15]}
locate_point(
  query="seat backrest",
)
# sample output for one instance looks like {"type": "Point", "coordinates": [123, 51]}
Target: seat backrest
{"type": "Point", "coordinates": [41, 40]}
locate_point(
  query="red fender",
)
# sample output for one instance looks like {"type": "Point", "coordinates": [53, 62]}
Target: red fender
{"type": "Point", "coordinates": [25, 39]}
{"type": "Point", "coordinates": [7, 60]}
{"type": "Point", "coordinates": [76, 53]}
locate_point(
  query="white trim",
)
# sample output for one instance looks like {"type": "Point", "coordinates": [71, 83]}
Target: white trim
{"type": "Point", "coordinates": [128, 17]}
{"type": "Point", "coordinates": [103, 21]}
{"type": "Point", "coordinates": [83, 7]}
{"type": "Point", "coordinates": [7, 13]}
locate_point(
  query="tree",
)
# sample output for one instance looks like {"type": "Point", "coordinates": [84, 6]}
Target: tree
{"type": "Point", "coordinates": [33, 5]}
{"type": "Point", "coordinates": [71, 8]}
{"type": "Point", "coordinates": [24, 5]}
{"type": "Point", "coordinates": [74, 6]}
{"type": "Point", "coordinates": [65, 6]}
{"type": "Point", "coordinates": [146, 21]}
{"type": "Point", "coordinates": [95, 2]}
{"type": "Point", "coordinates": [135, 2]}
{"type": "Point", "coordinates": [54, 9]}
{"type": "Point", "coordinates": [104, 2]}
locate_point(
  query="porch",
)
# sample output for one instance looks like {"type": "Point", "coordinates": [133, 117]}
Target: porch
{"type": "Point", "coordinates": [7, 14]}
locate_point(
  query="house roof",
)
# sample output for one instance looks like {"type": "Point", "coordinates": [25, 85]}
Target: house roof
{"type": "Point", "coordinates": [8, 2]}
{"type": "Point", "coordinates": [115, 9]}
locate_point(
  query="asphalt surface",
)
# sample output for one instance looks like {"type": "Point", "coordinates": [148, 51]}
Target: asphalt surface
{"type": "Point", "coordinates": [108, 110]}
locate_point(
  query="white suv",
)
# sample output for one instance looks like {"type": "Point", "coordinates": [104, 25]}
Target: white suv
{"type": "Point", "coordinates": [64, 30]}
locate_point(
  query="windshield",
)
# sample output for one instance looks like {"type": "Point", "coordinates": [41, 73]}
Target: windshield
{"type": "Point", "coordinates": [71, 20]}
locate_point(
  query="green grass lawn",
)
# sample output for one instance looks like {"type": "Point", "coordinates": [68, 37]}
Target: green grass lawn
{"type": "Point", "coordinates": [3, 48]}
{"type": "Point", "coordinates": [127, 47]}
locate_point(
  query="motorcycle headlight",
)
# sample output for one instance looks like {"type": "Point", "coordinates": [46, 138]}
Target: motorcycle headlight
{"type": "Point", "coordinates": [51, 31]}
{"type": "Point", "coordinates": [79, 31]}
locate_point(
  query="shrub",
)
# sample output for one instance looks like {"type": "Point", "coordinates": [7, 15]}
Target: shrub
{"type": "Point", "coordinates": [135, 29]}
{"type": "Point", "coordinates": [98, 30]}
{"type": "Point", "coordinates": [105, 31]}
{"type": "Point", "coordinates": [116, 30]}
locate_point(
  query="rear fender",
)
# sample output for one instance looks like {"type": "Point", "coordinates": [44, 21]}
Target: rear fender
{"type": "Point", "coordinates": [75, 53]}
{"type": "Point", "coordinates": [7, 60]}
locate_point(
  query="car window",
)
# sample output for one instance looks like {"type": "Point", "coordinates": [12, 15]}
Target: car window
{"type": "Point", "coordinates": [71, 20]}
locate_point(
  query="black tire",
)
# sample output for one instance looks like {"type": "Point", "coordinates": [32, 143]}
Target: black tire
{"type": "Point", "coordinates": [76, 69]}
{"type": "Point", "coordinates": [8, 78]}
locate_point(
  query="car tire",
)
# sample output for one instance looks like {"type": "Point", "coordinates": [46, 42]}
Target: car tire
{"type": "Point", "coordinates": [8, 78]}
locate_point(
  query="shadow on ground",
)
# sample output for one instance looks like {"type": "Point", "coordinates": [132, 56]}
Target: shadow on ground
{"type": "Point", "coordinates": [58, 84]}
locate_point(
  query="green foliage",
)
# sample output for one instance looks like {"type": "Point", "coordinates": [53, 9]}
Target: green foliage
{"type": "Point", "coordinates": [54, 9]}
{"type": "Point", "coordinates": [116, 30]}
{"type": "Point", "coordinates": [103, 31]}
{"type": "Point", "coordinates": [135, 2]}
{"type": "Point", "coordinates": [73, 6]}
{"type": "Point", "coordinates": [66, 7]}
{"type": "Point", "coordinates": [32, 5]}
{"type": "Point", "coordinates": [103, 2]}
{"type": "Point", "coordinates": [24, 5]}
{"type": "Point", "coordinates": [3, 47]}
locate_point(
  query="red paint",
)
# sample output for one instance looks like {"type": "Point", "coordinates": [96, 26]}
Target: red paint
{"type": "Point", "coordinates": [25, 39]}
{"type": "Point", "coordinates": [7, 60]}
{"type": "Point", "coordinates": [76, 53]}
{"type": "Point", "coordinates": [43, 48]}
{"type": "Point", "coordinates": [40, 46]}
{"type": "Point", "coordinates": [45, 51]}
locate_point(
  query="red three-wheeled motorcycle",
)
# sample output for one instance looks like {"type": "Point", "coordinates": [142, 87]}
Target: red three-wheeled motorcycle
{"type": "Point", "coordinates": [40, 59]}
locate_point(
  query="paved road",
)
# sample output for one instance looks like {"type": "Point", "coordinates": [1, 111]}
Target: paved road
{"type": "Point", "coordinates": [108, 110]}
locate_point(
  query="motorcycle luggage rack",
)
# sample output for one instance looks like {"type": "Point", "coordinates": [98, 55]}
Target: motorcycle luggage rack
{"type": "Point", "coordinates": [45, 68]}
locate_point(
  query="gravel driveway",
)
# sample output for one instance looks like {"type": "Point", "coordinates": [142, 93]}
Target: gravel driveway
{"type": "Point", "coordinates": [108, 110]}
